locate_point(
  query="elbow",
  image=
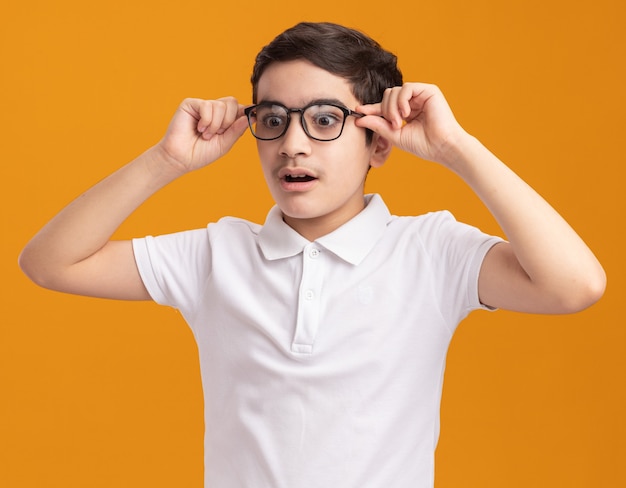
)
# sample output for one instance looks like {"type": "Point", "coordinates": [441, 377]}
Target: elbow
{"type": "Point", "coordinates": [587, 291]}
{"type": "Point", "coordinates": [33, 268]}
{"type": "Point", "coordinates": [596, 287]}
{"type": "Point", "coordinates": [26, 263]}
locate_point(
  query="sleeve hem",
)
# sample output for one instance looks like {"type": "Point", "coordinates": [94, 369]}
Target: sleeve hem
{"type": "Point", "coordinates": [477, 263]}
{"type": "Point", "coordinates": [146, 271]}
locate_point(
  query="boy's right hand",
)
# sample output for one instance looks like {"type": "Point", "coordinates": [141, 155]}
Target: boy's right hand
{"type": "Point", "coordinates": [202, 131]}
{"type": "Point", "coordinates": [74, 252]}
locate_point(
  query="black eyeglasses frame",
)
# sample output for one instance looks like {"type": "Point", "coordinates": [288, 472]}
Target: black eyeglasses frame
{"type": "Point", "coordinates": [249, 112]}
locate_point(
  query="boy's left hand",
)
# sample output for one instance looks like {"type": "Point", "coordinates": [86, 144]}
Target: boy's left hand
{"type": "Point", "coordinates": [545, 267]}
{"type": "Point", "coordinates": [416, 118]}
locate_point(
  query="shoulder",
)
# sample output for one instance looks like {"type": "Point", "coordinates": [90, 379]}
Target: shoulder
{"type": "Point", "coordinates": [232, 228]}
{"type": "Point", "coordinates": [436, 217]}
{"type": "Point", "coordinates": [440, 222]}
{"type": "Point", "coordinates": [427, 225]}
{"type": "Point", "coordinates": [195, 242]}
{"type": "Point", "coordinates": [441, 236]}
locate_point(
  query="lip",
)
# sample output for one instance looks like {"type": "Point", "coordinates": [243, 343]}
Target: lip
{"type": "Point", "coordinates": [297, 171]}
{"type": "Point", "coordinates": [289, 179]}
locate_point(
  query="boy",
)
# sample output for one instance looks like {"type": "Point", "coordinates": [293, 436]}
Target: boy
{"type": "Point", "coordinates": [322, 334]}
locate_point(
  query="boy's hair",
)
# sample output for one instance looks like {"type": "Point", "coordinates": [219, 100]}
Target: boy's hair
{"type": "Point", "coordinates": [339, 50]}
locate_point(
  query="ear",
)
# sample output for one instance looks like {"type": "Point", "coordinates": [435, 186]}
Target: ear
{"type": "Point", "coordinates": [381, 148]}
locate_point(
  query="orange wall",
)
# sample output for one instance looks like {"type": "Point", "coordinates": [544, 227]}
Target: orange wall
{"type": "Point", "coordinates": [107, 394]}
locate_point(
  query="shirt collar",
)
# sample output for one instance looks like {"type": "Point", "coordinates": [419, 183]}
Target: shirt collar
{"type": "Point", "coordinates": [351, 242]}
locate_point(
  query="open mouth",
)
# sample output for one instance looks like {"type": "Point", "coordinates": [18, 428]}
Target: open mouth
{"type": "Point", "coordinates": [298, 178]}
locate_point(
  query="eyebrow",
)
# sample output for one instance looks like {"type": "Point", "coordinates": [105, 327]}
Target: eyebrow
{"type": "Point", "coordinates": [317, 101]}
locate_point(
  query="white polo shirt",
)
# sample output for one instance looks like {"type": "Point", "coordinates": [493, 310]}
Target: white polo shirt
{"type": "Point", "coordinates": [322, 362]}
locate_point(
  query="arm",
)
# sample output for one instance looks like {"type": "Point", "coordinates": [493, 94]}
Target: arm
{"type": "Point", "coordinates": [545, 267]}
{"type": "Point", "coordinates": [73, 253]}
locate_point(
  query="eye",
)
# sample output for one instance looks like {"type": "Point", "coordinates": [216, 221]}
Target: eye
{"type": "Point", "coordinates": [324, 116]}
{"type": "Point", "coordinates": [325, 120]}
{"type": "Point", "coordinates": [273, 121]}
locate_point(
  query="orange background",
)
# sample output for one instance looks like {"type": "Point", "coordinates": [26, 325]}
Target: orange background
{"type": "Point", "coordinates": [97, 393]}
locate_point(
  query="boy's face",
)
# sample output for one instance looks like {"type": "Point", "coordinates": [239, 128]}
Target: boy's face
{"type": "Point", "coordinates": [318, 185]}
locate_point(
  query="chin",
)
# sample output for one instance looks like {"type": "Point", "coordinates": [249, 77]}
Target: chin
{"type": "Point", "coordinates": [299, 212]}
{"type": "Point", "coordinates": [297, 205]}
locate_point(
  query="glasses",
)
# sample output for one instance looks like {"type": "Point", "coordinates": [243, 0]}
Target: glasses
{"type": "Point", "coordinates": [320, 121]}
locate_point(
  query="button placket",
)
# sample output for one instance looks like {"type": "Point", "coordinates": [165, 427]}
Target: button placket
{"type": "Point", "coordinates": [308, 301]}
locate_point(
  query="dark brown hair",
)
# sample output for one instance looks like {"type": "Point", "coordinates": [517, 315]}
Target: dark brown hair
{"type": "Point", "coordinates": [337, 49]}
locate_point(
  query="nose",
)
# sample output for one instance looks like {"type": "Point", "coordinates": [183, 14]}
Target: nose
{"type": "Point", "coordinates": [295, 142]}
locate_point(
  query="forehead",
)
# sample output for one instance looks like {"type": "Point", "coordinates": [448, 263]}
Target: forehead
{"type": "Point", "coordinates": [296, 83]}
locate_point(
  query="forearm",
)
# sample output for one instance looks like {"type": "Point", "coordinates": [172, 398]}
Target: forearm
{"type": "Point", "coordinates": [557, 262]}
{"type": "Point", "coordinates": [85, 226]}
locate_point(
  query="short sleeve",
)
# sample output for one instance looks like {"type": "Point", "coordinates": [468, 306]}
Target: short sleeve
{"type": "Point", "coordinates": [174, 267]}
{"type": "Point", "coordinates": [457, 251]}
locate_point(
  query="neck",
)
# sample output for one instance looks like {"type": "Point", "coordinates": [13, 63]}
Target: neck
{"type": "Point", "coordinates": [315, 227]}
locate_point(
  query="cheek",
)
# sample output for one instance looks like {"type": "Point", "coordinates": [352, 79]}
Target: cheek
{"type": "Point", "coordinates": [263, 154]}
{"type": "Point", "coordinates": [359, 158]}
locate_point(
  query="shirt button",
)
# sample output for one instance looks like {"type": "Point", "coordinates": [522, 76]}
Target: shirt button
{"type": "Point", "coordinates": [314, 253]}
{"type": "Point", "coordinates": [309, 295]}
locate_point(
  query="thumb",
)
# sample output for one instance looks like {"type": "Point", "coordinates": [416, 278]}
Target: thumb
{"type": "Point", "coordinates": [377, 124]}
{"type": "Point", "coordinates": [236, 130]}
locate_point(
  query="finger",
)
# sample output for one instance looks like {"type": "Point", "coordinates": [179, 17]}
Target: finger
{"type": "Point", "coordinates": [405, 96]}
{"type": "Point", "coordinates": [229, 137]}
{"type": "Point", "coordinates": [191, 108]}
{"type": "Point", "coordinates": [241, 110]}
{"type": "Point", "coordinates": [390, 106]}
{"type": "Point", "coordinates": [236, 130]}
{"type": "Point", "coordinates": [226, 111]}
{"type": "Point", "coordinates": [218, 114]}
{"type": "Point", "coordinates": [419, 94]}
{"type": "Point", "coordinates": [370, 109]}
{"type": "Point", "coordinates": [204, 114]}
{"type": "Point", "coordinates": [377, 124]}
{"type": "Point", "coordinates": [233, 112]}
